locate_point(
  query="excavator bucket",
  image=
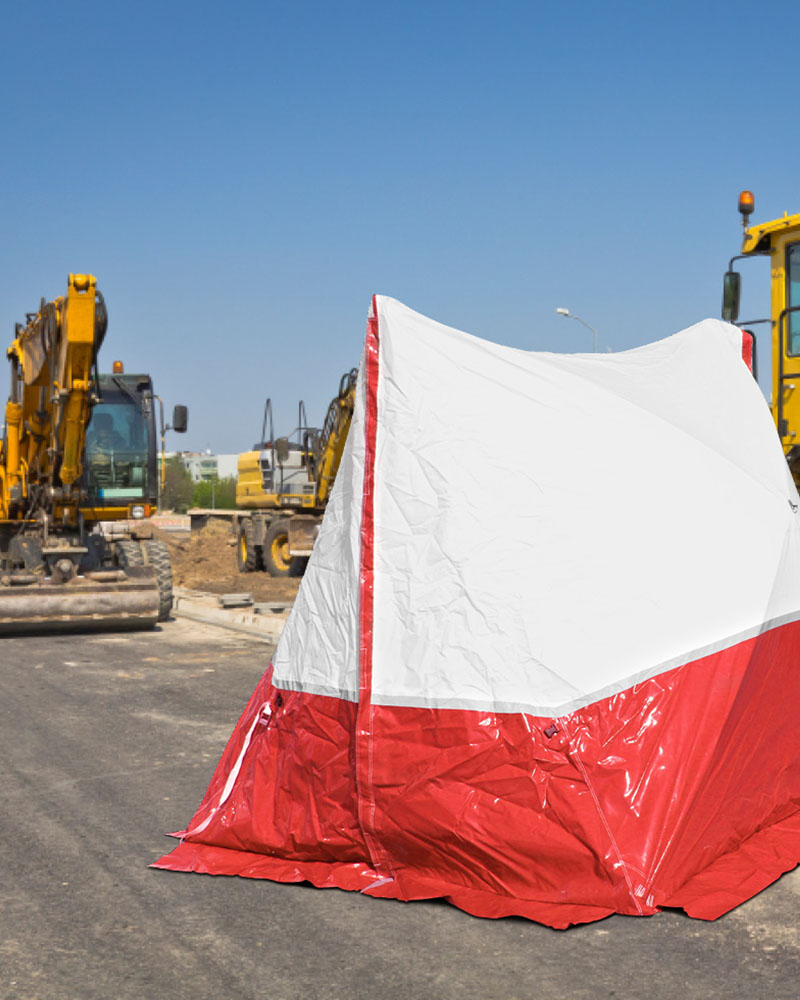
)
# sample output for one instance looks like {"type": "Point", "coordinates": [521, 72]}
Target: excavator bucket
{"type": "Point", "coordinates": [104, 599]}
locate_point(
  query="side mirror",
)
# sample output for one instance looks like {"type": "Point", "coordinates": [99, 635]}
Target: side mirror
{"type": "Point", "coordinates": [180, 418]}
{"type": "Point", "coordinates": [282, 450]}
{"type": "Point", "coordinates": [731, 295]}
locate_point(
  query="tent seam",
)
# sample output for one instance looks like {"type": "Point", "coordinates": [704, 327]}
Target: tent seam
{"type": "Point", "coordinates": [366, 804]}
{"type": "Point", "coordinates": [603, 819]}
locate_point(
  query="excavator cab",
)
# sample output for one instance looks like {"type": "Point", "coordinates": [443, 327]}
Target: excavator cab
{"type": "Point", "coordinates": [121, 472]}
{"type": "Point", "coordinates": [779, 242]}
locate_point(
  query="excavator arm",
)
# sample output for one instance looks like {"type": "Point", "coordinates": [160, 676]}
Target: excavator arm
{"type": "Point", "coordinates": [49, 405]}
{"type": "Point", "coordinates": [333, 437]}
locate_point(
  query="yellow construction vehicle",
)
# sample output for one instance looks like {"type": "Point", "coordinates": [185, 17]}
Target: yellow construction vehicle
{"type": "Point", "coordinates": [285, 485]}
{"type": "Point", "coordinates": [78, 455]}
{"type": "Point", "coordinates": [779, 241]}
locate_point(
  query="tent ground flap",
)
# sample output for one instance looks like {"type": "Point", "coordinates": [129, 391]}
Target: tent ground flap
{"type": "Point", "coordinates": [734, 878]}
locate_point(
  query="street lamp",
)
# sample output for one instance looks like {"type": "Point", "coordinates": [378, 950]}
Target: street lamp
{"type": "Point", "coordinates": [567, 313]}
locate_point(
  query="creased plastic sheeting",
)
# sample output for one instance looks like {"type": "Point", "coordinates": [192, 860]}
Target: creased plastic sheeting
{"type": "Point", "coordinates": [667, 794]}
{"type": "Point", "coordinates": [549, 528]}
{"type": "Point", "coordinates": [318, 650]}
{"type": "Point", "coordinates": [539, 735]}
{"type": "Point", "coordinates": [294, 790]}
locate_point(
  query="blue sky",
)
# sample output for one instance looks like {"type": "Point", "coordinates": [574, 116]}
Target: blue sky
{"type": "Point", "coordinates": [242, 178]}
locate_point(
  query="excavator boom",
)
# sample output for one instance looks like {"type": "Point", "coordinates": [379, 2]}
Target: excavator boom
{"type": "Point", "coordinates": [333, 438]}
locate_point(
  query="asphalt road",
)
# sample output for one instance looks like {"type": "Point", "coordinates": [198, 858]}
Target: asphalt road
{"type": "Point", "coordinates": [108, 742]}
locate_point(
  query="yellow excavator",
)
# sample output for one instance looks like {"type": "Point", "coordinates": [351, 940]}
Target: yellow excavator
{"type": "Point", "coordinates": [78, 478]}
{"type": "Point", "coordinates": [284, 485]}
{"type": "Point", "coordinates": [779, 241]}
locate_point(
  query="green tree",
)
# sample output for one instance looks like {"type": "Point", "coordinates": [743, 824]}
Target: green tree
{"type": "Point", "coordinates": [215, 493]}
{"type": "Point", "coordinates": [178, 486]}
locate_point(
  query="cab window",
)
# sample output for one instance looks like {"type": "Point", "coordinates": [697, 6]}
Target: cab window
{"type": "Point", "coordinates": [793, 286]}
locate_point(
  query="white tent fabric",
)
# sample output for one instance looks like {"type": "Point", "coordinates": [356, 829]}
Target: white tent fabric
{"type": "Point", "coordinates": [549, 529]}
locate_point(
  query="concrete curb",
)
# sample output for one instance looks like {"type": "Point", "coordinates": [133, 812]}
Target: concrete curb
{"type": "Point", "coordinates": [202, 607]}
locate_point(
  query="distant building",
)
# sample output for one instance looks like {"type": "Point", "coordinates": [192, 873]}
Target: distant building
{"type": "Point", "coordinates": [203, 467]}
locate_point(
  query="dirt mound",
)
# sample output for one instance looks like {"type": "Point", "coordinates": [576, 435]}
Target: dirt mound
{"type": "Point", "coordinates": [206, 560]}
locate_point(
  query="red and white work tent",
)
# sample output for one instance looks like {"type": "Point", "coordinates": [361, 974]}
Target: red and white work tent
{"type": "Point", "coordinates": [545, 659]}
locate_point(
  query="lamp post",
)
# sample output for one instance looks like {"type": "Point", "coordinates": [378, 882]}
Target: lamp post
{"type": "Point", "coordinates": [567, 313]}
